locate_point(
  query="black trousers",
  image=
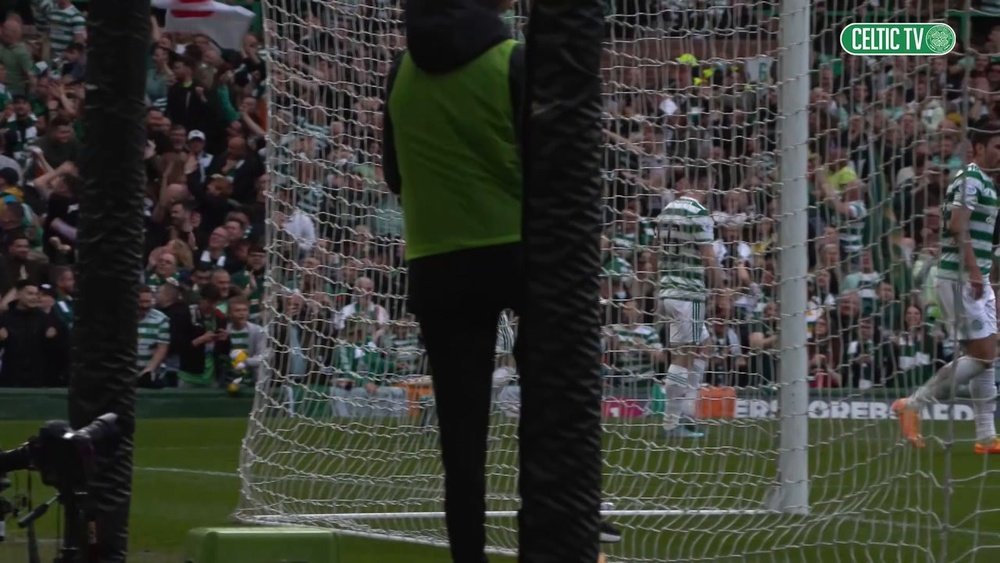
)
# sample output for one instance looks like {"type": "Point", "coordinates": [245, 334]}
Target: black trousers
{"type": "Point", "coordinates": [457, 299]}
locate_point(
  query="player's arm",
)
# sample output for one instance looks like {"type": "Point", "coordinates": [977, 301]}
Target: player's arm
{"type": "Point", "coordinates": [659, 244]}
{"type": "Point", "coordinates": [960, 213]}
{"type": "Point", "coordinates": [994, 273]}
{"type": "Point", "coordinates": [706, 239]}
{"type": "Point", "coordinates": [995, 270]}
{"type": "Point", "coordinates": [713, 272]}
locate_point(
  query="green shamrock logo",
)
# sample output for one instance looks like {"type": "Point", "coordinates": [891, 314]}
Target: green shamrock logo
{"type": "Point", "coordinates": [940, 38]}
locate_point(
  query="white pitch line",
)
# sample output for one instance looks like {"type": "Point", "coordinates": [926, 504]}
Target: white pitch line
{"type": "Point", "coordinates": [161, 448]}
{"type": "Point", "coordinates": [181, 470]}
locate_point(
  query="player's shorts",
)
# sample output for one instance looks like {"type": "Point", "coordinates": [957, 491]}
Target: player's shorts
{"type": "Point", "coordinates": [685, 321]}
{"type": "Point", "coordinates": [970, 318]}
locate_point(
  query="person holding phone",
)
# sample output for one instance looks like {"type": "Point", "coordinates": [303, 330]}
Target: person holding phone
{"type": "Point", "coordinates": [203, 341]}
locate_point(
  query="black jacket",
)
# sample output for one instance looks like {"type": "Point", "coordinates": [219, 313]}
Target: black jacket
{"type": "Point", "coordinates": [443, 35]}
{"type": "Point", "coordinates": [244, 178]}
{"type": "Point", "coordinates": [13, 270]}
{"type": "Point", "coordinates": [32, 358]}
{"type": "Point", "coordinates": [185, 107]}
{"type": "Point", "coordinates": [191, 357]}
{"type": "Point", "coordinates": [179, 316]}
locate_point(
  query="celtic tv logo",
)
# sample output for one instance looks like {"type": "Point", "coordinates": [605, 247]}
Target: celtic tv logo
{"type": "Point", "coordinates": [888, 39]}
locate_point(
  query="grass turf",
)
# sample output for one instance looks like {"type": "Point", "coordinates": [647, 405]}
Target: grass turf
{"type": "Point", "coordinates": [872, 498]}
{"type": "Point", "coordinates": [184, 478]}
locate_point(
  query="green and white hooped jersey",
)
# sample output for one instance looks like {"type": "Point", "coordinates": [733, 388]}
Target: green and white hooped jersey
{"type": "Point", "coordinates": [684, 226]}
{"type": "Point", "coordinates": [240, 339]}
{"type": "Point", "coordinates": [505, 333]}
{"type": "Point", "coordinates": [974, 190]}
{"type": "Point", "coordinates": [154, 329]}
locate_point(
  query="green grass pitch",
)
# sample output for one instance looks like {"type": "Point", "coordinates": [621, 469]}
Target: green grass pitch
{"type": "Point", "coordinates": [185, 477]}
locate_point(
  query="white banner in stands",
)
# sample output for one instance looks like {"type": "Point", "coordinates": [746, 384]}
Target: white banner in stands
{"type": "Point", "coordinates": [851, 409]}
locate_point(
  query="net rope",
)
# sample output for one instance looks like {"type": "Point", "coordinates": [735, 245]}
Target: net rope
{"type": "Point", "coordinates": [343, 424]}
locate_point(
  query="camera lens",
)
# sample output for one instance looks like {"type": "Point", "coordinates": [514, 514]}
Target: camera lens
{"type": "Point", "coordinates": [102, 432]}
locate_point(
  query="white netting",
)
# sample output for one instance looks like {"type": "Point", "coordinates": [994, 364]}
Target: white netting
{"type": "Point", "coordinates": [342, 431]}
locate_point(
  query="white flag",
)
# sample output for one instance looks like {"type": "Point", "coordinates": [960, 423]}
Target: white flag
{"type": "Point", "coordinates": [224, 24]}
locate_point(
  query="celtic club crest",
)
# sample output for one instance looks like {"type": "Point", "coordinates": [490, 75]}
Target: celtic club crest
{"type": "Point", "coordinates": [940, 38]}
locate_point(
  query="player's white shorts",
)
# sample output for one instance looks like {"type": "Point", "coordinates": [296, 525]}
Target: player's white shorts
{"type": "Point", "coordinates": [685, 321]}
{"type": "Point", "coordinates": [972, 319]}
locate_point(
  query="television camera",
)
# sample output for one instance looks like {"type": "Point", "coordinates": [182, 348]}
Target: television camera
{"type": "Point", "coordinates": [66, 460]}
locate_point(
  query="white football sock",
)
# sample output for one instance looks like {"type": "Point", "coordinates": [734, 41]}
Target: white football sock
{"type": "Point", "coordinates": [289, 400]}
{"type": "Point", "coordinates": [942, 385]}
{"type": "Point", "coordinates": [983, 389]}
{"type": "Point", "coordinates": [675, 390]}
{"type": "Point", "coordinates": [689, 406]}
{"type": "Point", "coordinates": [695, 377]}
{"type": "Point", "coordinates": [698, 371]}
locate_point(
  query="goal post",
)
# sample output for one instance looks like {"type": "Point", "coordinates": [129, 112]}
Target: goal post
{"type": "Point", "coordinates": [822, 175]}
{"type": "Point", "coordinates": [793, 261]}
{"type": "Point", "coordinates": [559, 442]}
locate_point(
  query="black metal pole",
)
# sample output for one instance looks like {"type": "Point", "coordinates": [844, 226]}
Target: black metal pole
{"type": "Point", "coordinates": [560, 432]}
{"type": "Point", "coordinates": [109, 245]}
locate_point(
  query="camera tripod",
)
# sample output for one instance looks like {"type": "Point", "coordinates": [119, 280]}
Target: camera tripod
{"type": "Point", "coordinates": [79, 542]}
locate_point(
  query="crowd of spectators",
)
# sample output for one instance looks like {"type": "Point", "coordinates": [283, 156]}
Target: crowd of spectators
{"type": "Point", "coordinates": [885, 136]}
{"type": "Point", "coordinates": [204, 272]}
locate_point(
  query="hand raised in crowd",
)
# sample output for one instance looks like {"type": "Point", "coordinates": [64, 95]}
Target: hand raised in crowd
{"type": "Point", "coordinates": [191, 164]}
{"type": "Point", "coordinates": [68, 167]}
{"type": "Point", "coordinates": [61, 248]}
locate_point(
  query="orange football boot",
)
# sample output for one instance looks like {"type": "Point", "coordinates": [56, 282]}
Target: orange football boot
{"type": "Point", "coordinates": [991, 448]}
{"type": "Point", "coordinates": [909, 422]}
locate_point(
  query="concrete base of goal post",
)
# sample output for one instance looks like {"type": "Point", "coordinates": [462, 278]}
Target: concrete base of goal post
{"type": "Point", "coordinates": [267, 545]}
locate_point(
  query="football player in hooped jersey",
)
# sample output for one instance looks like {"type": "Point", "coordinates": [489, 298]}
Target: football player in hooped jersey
{"type": "Point", "coordinates": [968, 303]}
{"type": "Point", "coordinates": [688, 270]}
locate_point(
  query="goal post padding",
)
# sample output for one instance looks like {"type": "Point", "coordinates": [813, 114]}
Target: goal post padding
{"type": "Point", "coordinates": [110, 249]}
{"type": "Point", "coordinates": [559, 343]}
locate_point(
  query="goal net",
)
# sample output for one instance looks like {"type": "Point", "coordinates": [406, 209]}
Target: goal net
{"type": "Point", "coordinates": [342, 432]}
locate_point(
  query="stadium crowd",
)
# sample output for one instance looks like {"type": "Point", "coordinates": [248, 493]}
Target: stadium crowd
{"type": "Point", "coordinates": [885, 135]}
